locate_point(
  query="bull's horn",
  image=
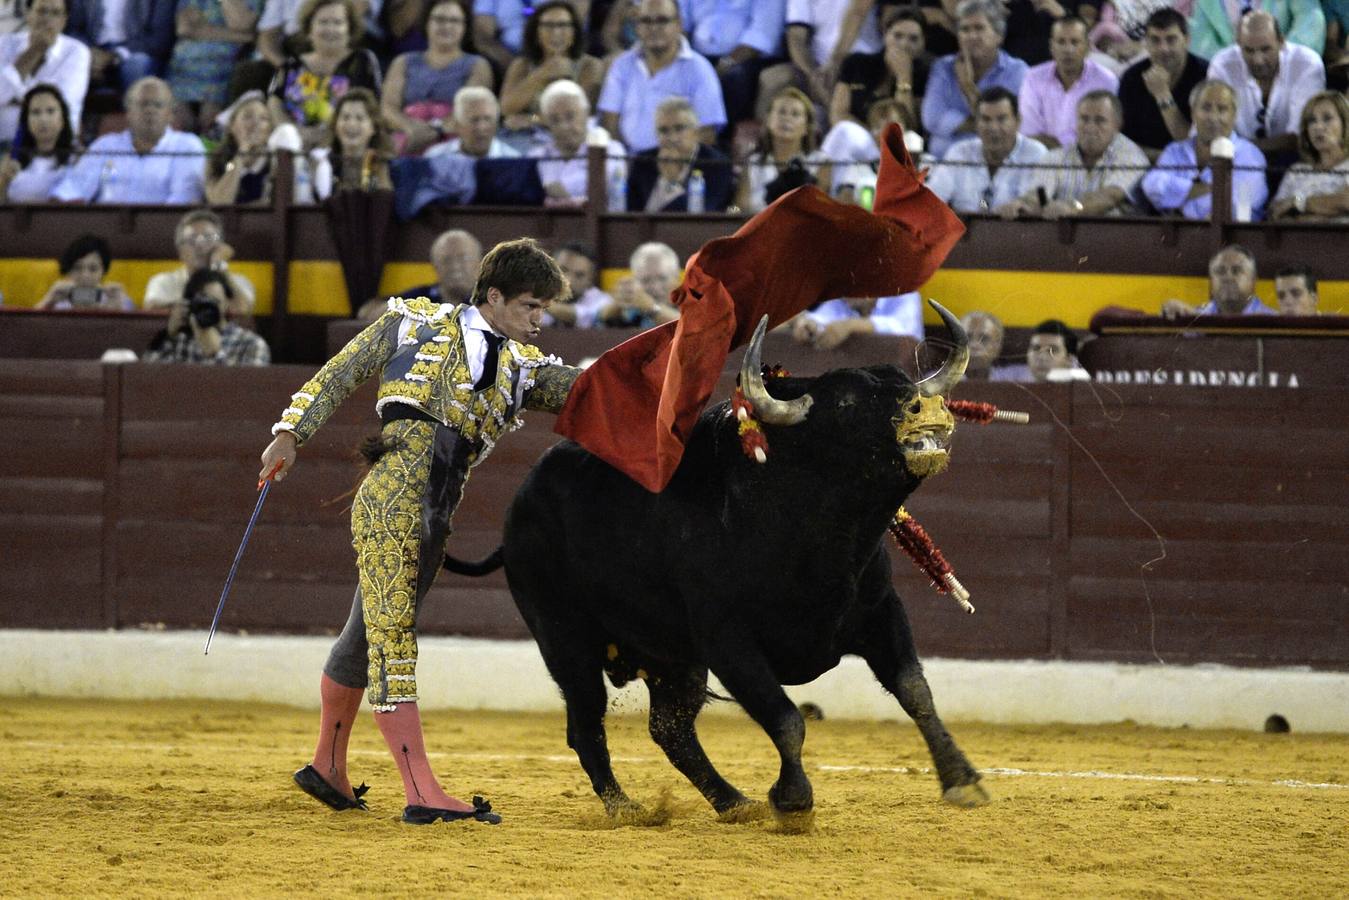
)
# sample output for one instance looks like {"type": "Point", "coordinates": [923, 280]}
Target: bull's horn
{"type": "Point", "coordinates": [948, 376]}
{"type": "Point", "coordinates": [768, 408]}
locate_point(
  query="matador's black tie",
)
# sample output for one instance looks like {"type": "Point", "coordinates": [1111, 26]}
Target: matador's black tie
{"type": "Point", "coordinates": [489, 363]}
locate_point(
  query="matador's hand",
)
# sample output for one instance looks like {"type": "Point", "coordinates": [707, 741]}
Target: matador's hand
{"type": "Point", "coordinates": [282, 450]}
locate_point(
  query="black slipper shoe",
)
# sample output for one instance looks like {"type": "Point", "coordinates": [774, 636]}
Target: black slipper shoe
{"type": "Point", "coordinates": [312, 783]}
{"type": "Point", "coordinates": [426, 815]}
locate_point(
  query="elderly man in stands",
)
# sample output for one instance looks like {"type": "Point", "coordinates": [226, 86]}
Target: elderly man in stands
{"type": "Point", "coordinates": [985, 333]}
{"type": "Point", "coordinates": [455, 256]}
{"type": "Point", "coordinates": [1050, 92]}
{"type": "Point", "coordinates": [1095, 176]}
{"type": "Point", "coordinates": [149, 162]}
{"type": "Point", "coordinates": [200, 239]}
{"type": "Point", "coordinates": [1214, 23]}
{"type": "Point", "coordinates": [41, 54]}
{"type": "Point", "coordinates": [198, 332]}
{"type": "Point", "coordinates": [1231, 288]}
{"type": "Point", "coordinates": [955, 82]}
{"type": "Point", "coordinates": [1273, 80]}
{"type": "Point", "coordinates": [563, 165]}
{"type": "Point", "coordinates": [829, 325]}
{"type": "Point", "coordinates": [1182, 181]}
{"type": "Point", "coordinates": [1155, 91]}
{"type": "Point", "coordinates": [128, 39]}
{"type": "Point", "coordinates": [661, 65]}
{"type": "Point", "coordinates": [477, 117]}
{"type": "Point", "coordinates": [642, 300]}
{"type": "Point", "coordinates": [664, 178]}
{"type": "Point", "coordinates": [1295, 286]}
{"type": "Point", "coordinates": [995, 168]}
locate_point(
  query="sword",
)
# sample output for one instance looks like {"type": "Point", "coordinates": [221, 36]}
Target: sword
{"type": "Point", "coordinates": [264, 485]}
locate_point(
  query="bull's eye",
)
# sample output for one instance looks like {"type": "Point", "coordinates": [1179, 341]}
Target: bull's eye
{"type": "Point", "coordinates": [915, 407]}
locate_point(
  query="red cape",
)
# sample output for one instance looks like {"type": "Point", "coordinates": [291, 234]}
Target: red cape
{"type": "Point", "coordinates": [636, 406]}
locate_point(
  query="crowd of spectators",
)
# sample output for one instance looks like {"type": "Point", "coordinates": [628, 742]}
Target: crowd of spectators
{"type": "Point", "coordinates": [1019, 108]}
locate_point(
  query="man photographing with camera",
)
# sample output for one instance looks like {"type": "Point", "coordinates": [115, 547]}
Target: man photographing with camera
{"type": "Point", "coordinates": [198, 332]}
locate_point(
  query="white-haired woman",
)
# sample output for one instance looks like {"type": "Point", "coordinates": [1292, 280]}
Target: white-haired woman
{"type": "Point", "coordinates": [564, 111]}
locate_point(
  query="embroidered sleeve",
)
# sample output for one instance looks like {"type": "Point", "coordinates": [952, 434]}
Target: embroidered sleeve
{"type": "Point", "coordinates": [550, 384]}
{"type": "Point", "coordinates": [363, 356]}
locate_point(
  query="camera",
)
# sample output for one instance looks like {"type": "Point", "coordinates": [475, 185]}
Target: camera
{"type": "Point", "coordinates": [85, 296]}
{"type": "Point", "coordinates": [204, 310]}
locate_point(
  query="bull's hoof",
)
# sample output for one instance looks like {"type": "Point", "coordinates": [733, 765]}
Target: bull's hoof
{"type": "Point", "coordinates": [741, 813]}
{"type": "Point", "coordinates": [967, 796]}
{"type": "Point", "coordinates": [795, 799]}
{"type": "Point", "coordinates": [795, 822]}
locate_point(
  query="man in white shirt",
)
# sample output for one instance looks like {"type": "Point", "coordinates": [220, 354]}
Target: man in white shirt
{"type": "Point", "coordinates": [148, 163]}
{"type": "Point", "coordinates": [41, 54]}
{"type": "Point", "coordinates": [477, 116]}
{"type": "Point", "coordinates": [997, 167]}
{"type": "Point", "coordinates": [199, 239]}
{"type": "Point", "coordinates": [563, 164]}
{"type": "Point", "coordinates": [577, 261]}
{"type": "Point", "coordinates": [831, 323]}
{"type": "Point", "coordinates": [1273, 80]}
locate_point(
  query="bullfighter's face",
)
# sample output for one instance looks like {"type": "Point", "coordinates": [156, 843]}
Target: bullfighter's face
{"type": "Point", "coordinates": [518, 318]}
{"type": "Point", "coordinates": [923, 430]}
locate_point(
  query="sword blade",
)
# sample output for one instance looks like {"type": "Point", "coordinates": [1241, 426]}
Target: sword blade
{"type": "Point", "coordinates": [225, 592]}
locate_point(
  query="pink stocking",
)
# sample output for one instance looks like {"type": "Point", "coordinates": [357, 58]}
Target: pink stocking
{"type": "Point", "coordinates": [402, 730]}
{"type": "Point", "coordinates": [340, 706]}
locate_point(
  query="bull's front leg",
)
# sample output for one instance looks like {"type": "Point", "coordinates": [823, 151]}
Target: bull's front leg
{"type": "Point", "coordinates": [886, 643]}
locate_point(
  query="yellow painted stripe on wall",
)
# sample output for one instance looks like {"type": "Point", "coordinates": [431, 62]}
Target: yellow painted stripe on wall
{"type": "Point", "coordinates": [24, 281]}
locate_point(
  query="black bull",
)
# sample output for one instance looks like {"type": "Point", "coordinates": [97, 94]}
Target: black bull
{"type": "Point", "coordinates": [763, 574]}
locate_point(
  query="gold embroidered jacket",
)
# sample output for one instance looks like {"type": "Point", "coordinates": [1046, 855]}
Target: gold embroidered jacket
{"type": "Point", "coordinates": [428, 369]}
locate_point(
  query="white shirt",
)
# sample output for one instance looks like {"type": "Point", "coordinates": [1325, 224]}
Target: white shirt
{"type": "Point", "coordinates": [963, 181]}
{"type": "Point", "coordinates": [498, 149]}
{"type": "Point", "coordinates": [474, 329]}
{"type": "Point", "coordinates": [763, 171]}
{"type": "Point", "coordinates": [111, 171]}
{"type": "Point", "coordinates": [587, 306]}
{"type": "Point", "coordinates": [902, 314]}
{"type": "Point", "coordinates": [852, 149]}
{"type": "Point", "coordinates": [166, 288]}
{"type": "Point", "coordinates": [1301, 74]}
{"type": "Point", "coordinates": [825, 19]}
{"type": "Point", "coordinates": [574, 174]}
{"type": "Point", "coordinates": [34, 183]}
{"type": "Point", "coordinates": [66, 67]}
{"type": "Point", "coordinates": [113, 30]}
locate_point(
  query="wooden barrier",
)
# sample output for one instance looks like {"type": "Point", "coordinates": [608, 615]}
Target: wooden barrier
{"type": "Point", "coordinates": [1137, 523]}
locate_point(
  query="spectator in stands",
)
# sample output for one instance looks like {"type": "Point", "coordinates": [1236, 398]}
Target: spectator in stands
{"type": "Point", "coordinates": [1049, 95]}
{"type": "Point", "coordinates": [498, 30]}
{"type": "Point", "coordinates": [1097, 175]}
{"type": "Point", "coordinates": [456, 256]}
{"type": "Point", "coordinates": [84, 264]}
{"type": "Point", "coordinates": [419, 87]}
{"type": "Point", "coordinates": [211, 34]}
{"type": "Point", "coordinates": [127, 39]}
{"type": "Point", "coordinates": [554, 50]}
{"type": "Point", "coordinates": [148, 161]}
{"type": "Point", "coordinates": [985, 333]}
{"type": "Point", "coordinates": [1053, 346]}
{"type": "Point", "coordinates": [43, 151]}
{"type": "Point", "coordinates": [995, 168]}
{"type": "Point", "coordinates": [1273, 80]}
{"type": "Point", "coordinates": [577, 261]}
{"type": "Point", "coordinates": [240, 170]}
{"type": "Point", "coordinates": [659, 178]}
{"type": "Point", "coordinates": [41, 54]}
{"type": "Point", "coordinates": [1182, 181]}
{"type": "Point", "coordinates": [477, 117]}
{"type": "Point", "coordinates": [829, 325]}
{"type": "Point", "coordinates": [662, 65]}
{"type": "Point", "coordinates": [1231, 286]}
{"type": "Point", "coordinates": [786, 157]}
{"type": "Point", "coordinates": [1155, 91]}
{"type": "Point", "coordinates": [1295, 286]}
{"type": "Point", "coordinates": [898, 71]}
{"type": "Point", "coordinates": [563, 164]}
{"type": "Point", "coordinates": [1214, 23]}
{"type": "Point", "coordinates": [955, 81]}
{"type": "Point", "coordinates": [642, 300]}
{"type": "Point", "coordinates": [198, 331]}
{"type": "Point", "coordinates": [357, 155]}
{"type": "Point", "coordinates": [1318, 186]}
{"type": "Point", "coordinates": [306, 87]}
{"type": "Point", "coordinates": [1336, 55]}
{"type": "Point", "coordinates": [854, 152]}
{"type": "Point", "coordinates": [1120, 27]}
{"type": "Point", "coordinates": [201, 245]}
{"type": "Point", "coordinates": [740, 38]}
{"type": "Point", "coordinates": [281, 31]}
{"type": "Point", "coordinates": [820, 35]}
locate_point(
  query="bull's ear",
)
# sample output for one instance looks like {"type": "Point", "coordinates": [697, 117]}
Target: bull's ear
{"type": "Point", "coordinates": [767, 408]}
{"type": "Point", "coordinates": [948, 376]}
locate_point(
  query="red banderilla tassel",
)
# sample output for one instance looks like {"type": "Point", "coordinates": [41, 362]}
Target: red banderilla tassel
{"type": "Point", "coordinates": [913, 539]}
{"type": "Point", "coordinates": [983, 413]}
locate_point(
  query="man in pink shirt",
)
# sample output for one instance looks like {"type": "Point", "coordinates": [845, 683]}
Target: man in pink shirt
{"type": "Point", "coordinates": [1050, 93]}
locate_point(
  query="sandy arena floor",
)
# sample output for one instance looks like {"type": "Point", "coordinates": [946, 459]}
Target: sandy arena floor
{"type": "Point", "coordinates": [111, 798]}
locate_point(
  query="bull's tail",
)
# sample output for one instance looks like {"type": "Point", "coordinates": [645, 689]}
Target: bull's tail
{"type": "Point", "coordinates": [475, 569]}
